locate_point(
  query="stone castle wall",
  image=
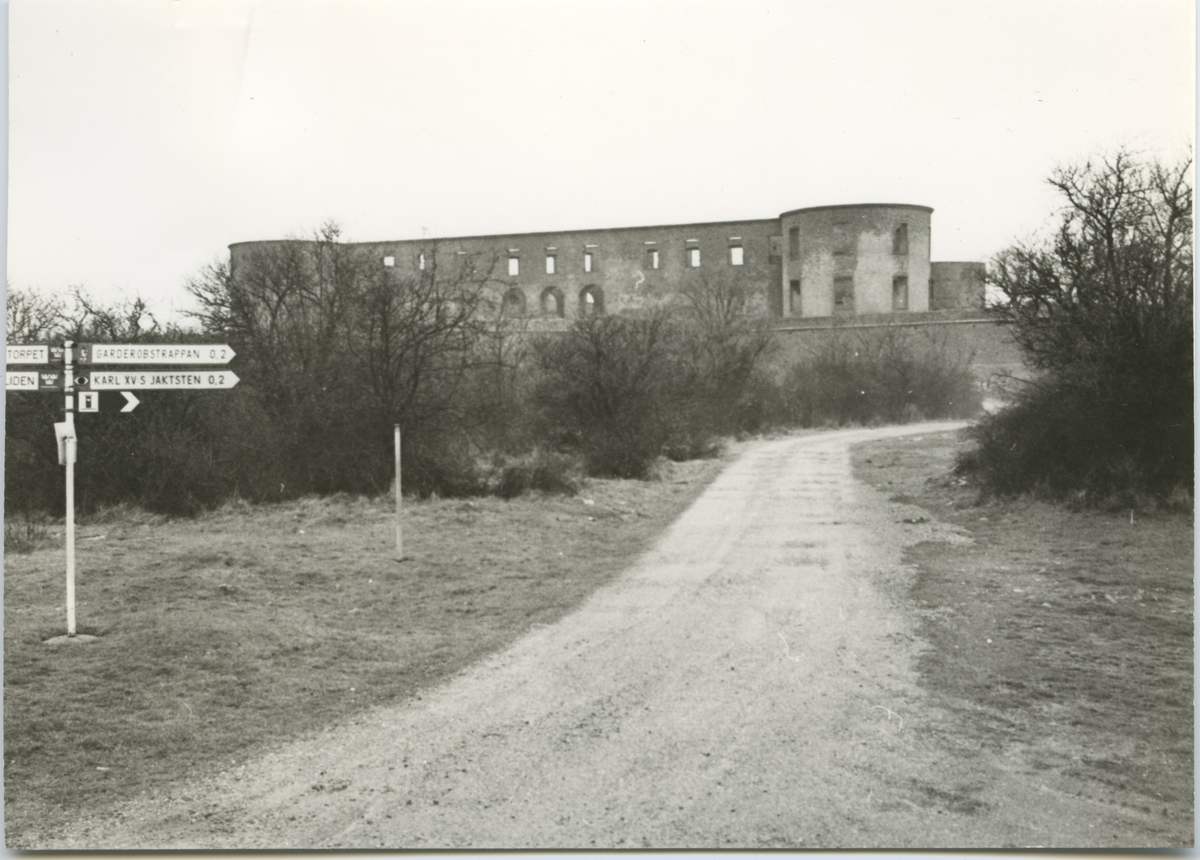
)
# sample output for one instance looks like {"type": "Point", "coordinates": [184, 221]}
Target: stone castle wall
{"type": "Point", "coordinates": [821, 262]}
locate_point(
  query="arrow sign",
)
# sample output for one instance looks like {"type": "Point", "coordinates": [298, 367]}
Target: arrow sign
{"type": "Point", "coordinates": [156, 380]}
{"type": "Point", "coordinates": [154, 353]}
{"type": "Point", "coordinates": [106, 401]}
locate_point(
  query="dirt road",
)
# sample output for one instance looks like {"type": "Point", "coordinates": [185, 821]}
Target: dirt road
{"type": "Point", "coordinates": [750, 683]}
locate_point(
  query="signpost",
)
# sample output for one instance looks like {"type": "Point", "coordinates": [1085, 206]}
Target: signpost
{"type": "Point", "coordinates": [156, 380]}
{"type": "Point", "coordinates": [33, 380]}
{"type": "Point", "coordinates": [33, 353]}
{"type": "Point", "coordinates": [154, 353]}
{"type": "Point", "coordinates": [91, 382]}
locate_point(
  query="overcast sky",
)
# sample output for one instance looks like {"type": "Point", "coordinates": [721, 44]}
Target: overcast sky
{"type": "Point", "coordinates": [147, 135]}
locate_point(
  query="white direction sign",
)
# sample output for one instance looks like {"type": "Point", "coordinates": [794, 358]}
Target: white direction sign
{"type": "Point", "coordinates": [32, 353]}
{"type": "Point", "coordinates": [156, 380]}
{"type": "Point", "coordinates": [33, 380]}
{"type": "Point", "coordinates": [20, 380]}
{"type": "Point", "coordinates": [154, 353]}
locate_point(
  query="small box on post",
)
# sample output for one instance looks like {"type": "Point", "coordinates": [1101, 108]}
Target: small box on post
{"type": "Point", "coordinates": [63, 429]}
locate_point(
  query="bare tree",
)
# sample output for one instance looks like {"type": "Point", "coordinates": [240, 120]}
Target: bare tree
{"type": "Point", "coordinates": [417, 334]}
{"type": "Point", "coordinates": [1112, 288]}
{"type": "Point", "coordinates": [339, 347]}
{"type": "Point", "coordinates": [30, 317]}
{"type": "Point", "coordinates": [723, 339]}
{"type": "Point", "coordinates": [1103, 309]}
{"type": "Point", "coordinates": [122, 322]}
{"type": "Point", "coordinates": [607, 388]}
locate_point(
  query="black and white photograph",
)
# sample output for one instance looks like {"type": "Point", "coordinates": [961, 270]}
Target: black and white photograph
{"type": "Point", "coordinates": [596, 425]}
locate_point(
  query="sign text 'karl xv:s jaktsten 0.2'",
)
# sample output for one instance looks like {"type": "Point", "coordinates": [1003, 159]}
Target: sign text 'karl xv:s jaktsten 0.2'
{"type": "Point", "coordinates": [98, 380]}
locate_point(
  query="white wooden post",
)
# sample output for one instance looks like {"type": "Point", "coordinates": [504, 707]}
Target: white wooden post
{"type": "Point", "coordinates": [70, 537]}
{"type": "Point", "coordinates": [399, 532]}
{"type": "Point", "coordinates": [70, 450]}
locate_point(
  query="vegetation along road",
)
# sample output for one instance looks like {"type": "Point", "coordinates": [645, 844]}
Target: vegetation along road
{"type": "Point", "coordinates": [752, 681]}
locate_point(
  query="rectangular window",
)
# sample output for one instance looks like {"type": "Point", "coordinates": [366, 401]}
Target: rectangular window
{"type": "Point", "coordinates": [389, 261]}
{"type": "Point", "coordinates": [514, 266]}
{"type": "Point", "coordinates": [421, 261]}
{"type": "Point", "coordinates": [793, 243]}
{"type": "Point", "coordinates": [550, 264]}
{"type": "Point", "coordinates": [775, 248]}
{"type": "Point", "coordinates": [736, 255]}
{"type": "Point", "coordinates": [587, 261]}
{"type": "Point", "coordinates": [845, 239]}
{"type": "Point", "coordinates": [693, 255]}
{"type": "Point", "coordinates": [794, 297]}
{"type": "Point", "coordinates": [652, 258]}
{"type": "Point", "coordinates": [843, 295]}
{"type": "Point", "coordinates": [900, 293]}
{"type": "Point", "coordinates": [900, 240]}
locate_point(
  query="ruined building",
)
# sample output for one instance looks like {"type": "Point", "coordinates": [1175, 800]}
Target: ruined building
{"type": "Point", "coordinates": [823, 262]}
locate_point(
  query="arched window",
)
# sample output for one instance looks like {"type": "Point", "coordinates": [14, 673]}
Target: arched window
{"type": "Point", "coordinates": [553, 303]}
{"type": "Point", "coordinates": [591, 302]}
{"type": "Point", "coordinates": [514, 303]}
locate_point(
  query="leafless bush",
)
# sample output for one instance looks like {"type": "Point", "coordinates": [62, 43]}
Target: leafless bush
{"type": "Point", "coordinates": [25, 531]}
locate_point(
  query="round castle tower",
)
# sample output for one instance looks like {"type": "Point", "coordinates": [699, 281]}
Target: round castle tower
{"type": "Point", "coordinates": [868, 258]}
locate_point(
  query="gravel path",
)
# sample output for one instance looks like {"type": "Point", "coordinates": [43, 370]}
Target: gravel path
{"type": "Point", "coordinates": [749, 683]}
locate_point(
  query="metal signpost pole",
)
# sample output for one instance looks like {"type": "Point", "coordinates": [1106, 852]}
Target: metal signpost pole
{"type": "Point", "coordinates": [69, 443]}
{"type": "Point", "coordinates": [399, 535]}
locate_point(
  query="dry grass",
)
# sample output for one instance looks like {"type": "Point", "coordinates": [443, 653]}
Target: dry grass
{"type": "Point", "coordinates": [1061, 639]}
{"type": "Point", "coordinates": [25, 532]}
{"type": "Point", "coordinates": [252, 625]}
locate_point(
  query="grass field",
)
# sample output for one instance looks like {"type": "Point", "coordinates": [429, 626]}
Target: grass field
{"type": "Point", "coordinates": [1063, 640]}
{"type": "Point", "coordinates": [249, 625]}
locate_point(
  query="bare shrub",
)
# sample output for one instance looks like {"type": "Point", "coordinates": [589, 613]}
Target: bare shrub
{"type": "Point", "coordinates": [605, 390]}
{"type": "Point", "coordinates": [879, 375]}
{"type": "Point", "coordinates": [541, 470]}
{"type": "Point", "coordinates": [25, 531]}
{"type": "Point", "coordinates": [1102, 308]}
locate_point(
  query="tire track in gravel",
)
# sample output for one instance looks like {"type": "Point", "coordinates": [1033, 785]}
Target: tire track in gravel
{"type": "Point", "coordinates": [749, 683]}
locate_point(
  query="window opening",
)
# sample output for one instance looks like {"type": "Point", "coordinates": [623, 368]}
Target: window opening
{"type": "Point", "coordinates": [794, 297]}
{"type": "Point", "coordinates": [587, 261]}
{"type": "Point", "coordinates": [591, 301]}
{"type": "Point", "coordinates": [843, 295]}
{"type": "Point", "coordinates": [793, 243]}
{"type": "Point", "coordinates": [900, 293]}
{"type": "Point", "coordinates": [514, 266]}
{"type": "Point", "coordinates": [550, 264]}
{"type": "Point", "coordinates": [389, 261]}
{"type": "Point", "coordinates": [421, 261]}
{"type": "Point", "coordinates": [693, 255]}
{"type": "Point", "coordinates": [552, 302]}
{"type": "Point", "coordinates": [736, 255]}
{"type": "Point", "coordinates": [900, 240]}
{"type": "Point", "coordinates": [514, 302]}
